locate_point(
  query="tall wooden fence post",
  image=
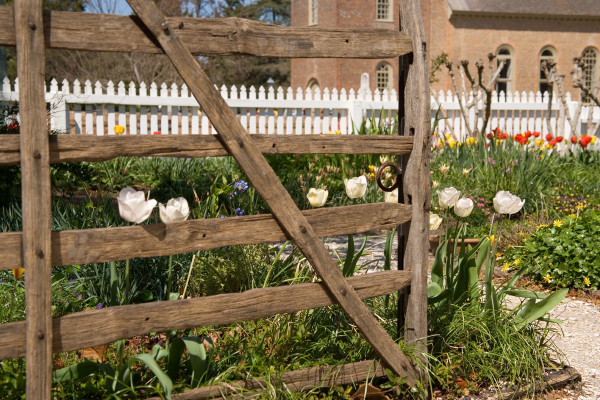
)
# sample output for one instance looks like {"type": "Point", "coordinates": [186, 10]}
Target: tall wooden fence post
{"type": "Point", "coordinates": [36, 199]}
{"type": "Point", "coordinates": [417, 181]}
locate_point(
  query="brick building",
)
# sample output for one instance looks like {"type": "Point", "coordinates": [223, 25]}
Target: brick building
{"type": "Point", "coordinates": [522, 31]}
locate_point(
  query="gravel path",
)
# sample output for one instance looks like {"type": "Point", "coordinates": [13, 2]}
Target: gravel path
{"type": "Point", "coordinates": [580, 339]}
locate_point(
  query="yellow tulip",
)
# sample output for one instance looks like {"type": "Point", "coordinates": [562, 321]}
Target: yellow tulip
{"type": "Point", "coordinates": [119, 129]}
{"type": "Point", "coordinates": [18, 272]}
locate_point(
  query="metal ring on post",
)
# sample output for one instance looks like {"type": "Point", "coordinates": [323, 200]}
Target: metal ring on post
{"type": "Point", "coordinates": [396, 183]}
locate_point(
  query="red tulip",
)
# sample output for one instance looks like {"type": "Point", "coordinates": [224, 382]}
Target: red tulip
{"type": "Point", "coordinates": [585, 140]}
{"type": "Point", "coordinates": [536, 134]}
{"type": "Point", "coordinates": [574, 139]}
{"type": "Point", "coordinates": [559, 139]}
{"type": "Point", "coordinates": [156, 133]}
{"type": "Point", "coordinates": [548, 137]}
{"type": "Point", "coordinates": [552, 143]}
{"type": "Point", "coordinates": [528, 134]}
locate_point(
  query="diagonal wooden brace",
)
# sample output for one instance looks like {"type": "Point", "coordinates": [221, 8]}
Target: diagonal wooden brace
{"type": "Point", "coordinates": [297, 228]}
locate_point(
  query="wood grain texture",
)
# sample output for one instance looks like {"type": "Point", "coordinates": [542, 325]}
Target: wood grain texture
{"type": "Point", "coordinates": [69, 148]}
{"type": "Point", "coordinates": [267, 184]}
{"type": "Point", "coordinates": [417, 180]}
{"type": "Point", "coordinates": [304, 379]}
{"type": "Point", "coordinates": [216, 37]}
{"type": "Point", "coordinates": [111, 244]}
{"type": "Point", "coordinates": [92, 328]}
{"type": "Point", "coordinates": [35, 197]}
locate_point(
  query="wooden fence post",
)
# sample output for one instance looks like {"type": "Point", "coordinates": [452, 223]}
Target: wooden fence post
{"type": "Point", "coordinates": [417, 181]}
{"type": "Point", "coordinates": [36, 196]}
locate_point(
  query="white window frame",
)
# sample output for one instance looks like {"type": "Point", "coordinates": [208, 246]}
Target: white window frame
{"type": "Point", "coordinates": [389, 76]}
{"type": "Point", "coordinates": [509, 81]}
{"type": "Point", "coordinates": [390, 5]}
{"type": "Point", "coordinates": [313, 12]}
{"type": "Point", "coordinates": [590, 75]}
{"type": "Point", "coordinates": [542, 77]}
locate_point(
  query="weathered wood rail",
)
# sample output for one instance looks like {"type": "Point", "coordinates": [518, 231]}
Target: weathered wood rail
{"type": "Point", "coordinates": [37, 248]}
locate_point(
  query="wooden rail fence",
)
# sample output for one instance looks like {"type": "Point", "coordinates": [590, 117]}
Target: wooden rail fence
{"type": "Point", "coordinates": [37, 248]}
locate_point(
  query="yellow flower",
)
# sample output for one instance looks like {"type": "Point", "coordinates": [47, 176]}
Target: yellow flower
{"type": "Point", "coordinates": [330, 133]}
{"type": "Point", "coordinates": [579, 206]}
{"type": "Point", "coordinates": [18, 272]}
{"type": "Point", "coordinates": [542, 156]}
{"type": "Point", "coordinates": [572, 215]}
{"type": "Point", "coordinates": [276, 113]}
{"type": "Point", "coordinates": [338, 132]}
{"type": "Point", "coordinates": [451, 142]}
{"type": "Point", "coordinates": [547, 278]}
{"type": "Point", "coordinates": [470, 141]}
{"type": "Point", "coordinates": [557, 223]}
{"type": "Point", "coordinates": [498, 255]}
{"type": "Point", "coordinates": [541, 226]}
{"type": "Point", "coordinates": [521, 234]}
{"type": "Point", "coordinates": [491, 240]}
{"type": "Point", "coordinates": [371, 168]}
{"type": "Point", "coordinates": [593, 140]}
{"type": "Point", "coordinates": [506, 267]}
{"type": "Point", "coordinates": [549, 146]}
{"type": "Point", "coordinates": [538, 142]}
{"type": "Point", "coordinates": [586, 280]}
{"type": "Point", "coordinates": [517, 261]}
{"type": "Point", "coordinates": [119, 129]}
{"type": "Point", "coordinates": [372, 175]}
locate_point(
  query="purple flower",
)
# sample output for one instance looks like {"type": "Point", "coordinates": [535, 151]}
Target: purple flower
{"type": "Point", "coordinates": [240, 186]}
{"type": "Point", "coordinates": [239, 211]}
{"type": "Point", "coordinates": [99, 306]}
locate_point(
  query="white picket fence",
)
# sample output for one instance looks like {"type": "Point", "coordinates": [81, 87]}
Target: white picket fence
{"type": "Point", "coordinates": [513, 113]}
{"type": "Point", "coordinates": [171, 109]}
{"type": "Point", "coordinates": [96, 109]}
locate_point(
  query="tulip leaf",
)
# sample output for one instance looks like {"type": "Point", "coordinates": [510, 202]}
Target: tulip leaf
{"type": "Point", "coordinates": [433, 290]}
{"type": "Point", "coordinates": [151, 364]}
{"type": "Point", "coordinates": [527, 294]}
{"type": "Point", "coordinates": [437, 269]}
{"type": "Point", "coordinates": [81, 370]}
{"type": "Point", "coordinates": [539, 309]}
{"type": "Point", "coordinates": [176, 348]}
{"type": "Point", "coordinates": [197, 350]}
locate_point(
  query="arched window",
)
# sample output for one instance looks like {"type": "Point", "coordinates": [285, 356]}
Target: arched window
{"type": "Point", "coordinates": [383, 76]}
{"type": "Point", "coordinates": [313, 85]}
{"type": "Point", "coordinates": [384, 10]}
{"type": "Point", "coordinates": [548, 53]}
{"type": "Point", "coordinates": [590, 60]}
{"type": "Point", "coordinates": [505, 79]}
{"type": "Point", "coordinates": [312, 12]}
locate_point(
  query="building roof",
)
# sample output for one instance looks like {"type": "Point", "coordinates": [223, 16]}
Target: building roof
{"type": "Point", "coordinates": [584, 9]}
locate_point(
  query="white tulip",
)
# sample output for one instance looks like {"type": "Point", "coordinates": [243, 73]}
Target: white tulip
{"type": "Point", "coordinates": [463, 207]}
{"type": "Point", "coordinates": [448, 197]}
{"type": "Point", "coordinates": [391, 197]}
{"type": "Point", "coordinates": [434, 222]}
{"type": "Point", "coordinates": [176, 210]}
{"type": "Point", "coordinates": [356, 187]}
{"type": "Point", "coordinates": [133, 206]}
{"type": "Point", "coordinates": [317, 197]}
{"type": "Point", "coordinates": [507, 203]}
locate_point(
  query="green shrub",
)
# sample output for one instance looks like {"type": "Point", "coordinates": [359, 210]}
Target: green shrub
{"type": "Point", "coordinates": [564, 253]}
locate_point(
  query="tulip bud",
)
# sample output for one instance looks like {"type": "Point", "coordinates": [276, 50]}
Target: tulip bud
{"type": "Point", "coordinates": [133, 206]}
{"type": "Point", "coordinates": [317, 197]}
{"type": "Point", "coordinates": [448, 197]}
{"type": "Point", "coordinates": [356, 187]}
{"type": "Point", "coordinates": [507, 203]}
{"type": "Point", "coordinates": [463, 207]}
{"type": "Point", "coordinates": [391, 197]}
{"type": "Point", "coordinates": [434, 222]}
{"type": "Point", "coordinates": [176, 210]}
